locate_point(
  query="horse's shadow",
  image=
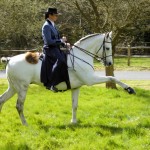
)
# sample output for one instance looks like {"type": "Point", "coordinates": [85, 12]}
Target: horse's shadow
{"type": "Point", "coordinates": [73, 127]}
{"type": "Point", "coordinates": [101, 129]}
{"type": "Point", "coordinates": [79, 125]}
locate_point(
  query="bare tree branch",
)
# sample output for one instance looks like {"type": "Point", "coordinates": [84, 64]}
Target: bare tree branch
{"type": "Point", "coordinates": [83, 14]}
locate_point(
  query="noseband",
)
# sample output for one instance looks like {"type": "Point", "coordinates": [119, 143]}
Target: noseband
{"type": "Point", "coordinates": [103, 58]}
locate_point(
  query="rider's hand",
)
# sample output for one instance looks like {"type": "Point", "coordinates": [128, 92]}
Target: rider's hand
{"type": "Point", "coordinates": [68, 45]}
{"type": "Point", "coordinates": [64, 39]}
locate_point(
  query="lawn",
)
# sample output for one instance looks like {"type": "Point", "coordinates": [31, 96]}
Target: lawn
{"type": "Point", "coordinates": [107, 120]}
{"type": "Point", "coordinates": [120, 63]}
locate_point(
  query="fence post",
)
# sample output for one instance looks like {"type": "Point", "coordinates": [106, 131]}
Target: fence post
{"type": "Point", "coordinates": [129, 54]}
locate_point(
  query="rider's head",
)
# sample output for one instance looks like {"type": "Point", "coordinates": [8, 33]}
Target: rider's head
{"type": "Point", "coordinates": [52, 14]}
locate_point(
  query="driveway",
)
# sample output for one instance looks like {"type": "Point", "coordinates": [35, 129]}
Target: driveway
{"type": "Point", "coordinates": [130, 75]}
{"type": "Point", "coordinates": [121, 75]}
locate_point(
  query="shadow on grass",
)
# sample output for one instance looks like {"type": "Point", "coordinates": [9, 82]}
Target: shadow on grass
{"type": "Point", "coordinates": [104, 129]}
{"type": "Point", "coordinates": [101, 129]}
{"type": "Point", "coordinates": [113, 130]}
{"type": "Point", "coordinates": [11, 146]}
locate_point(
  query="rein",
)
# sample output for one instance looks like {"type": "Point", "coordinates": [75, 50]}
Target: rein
{"type": "Point", "coordinates": [91, 54]}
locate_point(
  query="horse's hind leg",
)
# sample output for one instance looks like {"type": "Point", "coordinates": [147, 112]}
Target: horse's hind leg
{"type": "Point", "coordinates": [7, 95]}
{"type": "Point", "coordinates": [20, 105]}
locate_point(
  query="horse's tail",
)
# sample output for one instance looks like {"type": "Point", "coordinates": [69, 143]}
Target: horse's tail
{"type": "Point", "coordinates": [32, 57]}
{"type": "Point", "coordinates": [5, 60]}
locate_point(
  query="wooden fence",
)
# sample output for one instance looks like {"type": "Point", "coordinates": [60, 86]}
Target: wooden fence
{"type": "Point", "coordinates": [129, 52]}
{"type": "Point", "coordinates": [16, 52]}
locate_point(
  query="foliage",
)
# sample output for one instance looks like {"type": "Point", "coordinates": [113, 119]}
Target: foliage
{"type": "Point", "coordinates": [111, 119]}
{"type": "Point", "coordinates": [116, 16]}
{"type": "Point", "coordinates": [21, 20]}
{"type": "Point", "coordinates": [119, 16]}
{"type": "Point", "coordinates": [20, 23]}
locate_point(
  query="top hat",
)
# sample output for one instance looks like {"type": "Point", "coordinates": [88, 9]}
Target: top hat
{"type": "Point", "coordinates": [52, 11]}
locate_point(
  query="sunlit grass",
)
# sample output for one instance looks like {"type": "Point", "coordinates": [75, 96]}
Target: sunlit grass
{"type": "Point", "coordinates": [121, 64]}
{"type": "Point", "coordinates": [107, 119]}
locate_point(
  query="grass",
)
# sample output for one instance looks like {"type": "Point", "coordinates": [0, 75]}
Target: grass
{"type": "Point", "coordinates": [107, 120]}
{"type": "Point", "coordinates": [120, 63]}
{"type": "Point", "coordinates": [2, 66]}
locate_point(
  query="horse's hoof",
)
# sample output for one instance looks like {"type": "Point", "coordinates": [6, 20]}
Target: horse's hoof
{"type": "Point", "coordinates": [73, 121]}
{"type": "Point", "coordinates": [130, 90]}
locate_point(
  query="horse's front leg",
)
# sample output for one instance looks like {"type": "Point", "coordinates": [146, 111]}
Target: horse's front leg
{"type": "Point", "coordinates": [96, 79]}
{"type": "Point", "coordinates": [75, 95]}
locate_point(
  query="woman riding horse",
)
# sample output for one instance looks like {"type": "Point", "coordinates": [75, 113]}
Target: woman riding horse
{"type": "Point", "coordinates": [54, 68]}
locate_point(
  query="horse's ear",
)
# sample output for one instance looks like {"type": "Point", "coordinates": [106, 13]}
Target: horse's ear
{"type": "Point", "coordinates": [107, 35]}
{"type": "Point", "coordinates": [110, 34]}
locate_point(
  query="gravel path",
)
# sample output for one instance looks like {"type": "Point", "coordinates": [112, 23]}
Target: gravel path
{"type": "Point", "coordinates": [121, 75]}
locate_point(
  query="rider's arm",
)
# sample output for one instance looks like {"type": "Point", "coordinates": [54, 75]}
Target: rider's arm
{"type": "Point", "coordinates": [47, 36]}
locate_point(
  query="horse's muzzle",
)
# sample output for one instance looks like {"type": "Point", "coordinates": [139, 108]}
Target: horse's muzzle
{"type": "Point", "coordinates": [107, 64]}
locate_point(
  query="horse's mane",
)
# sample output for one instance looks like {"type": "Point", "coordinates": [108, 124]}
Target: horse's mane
{"type": "Point", "coordinates": [88, 36]}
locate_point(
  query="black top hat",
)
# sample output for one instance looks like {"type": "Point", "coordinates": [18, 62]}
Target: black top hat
{"type": "Point", "coordinates": [52, 11]}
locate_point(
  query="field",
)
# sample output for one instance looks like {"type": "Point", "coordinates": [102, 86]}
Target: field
{"type": "Point", "coordinates": [107, 120]}
{"type": "Point", "coordinates": [120, 63]}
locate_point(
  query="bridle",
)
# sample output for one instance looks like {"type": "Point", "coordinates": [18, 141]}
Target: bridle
{"type": "Point", "coordinates": [104, 50]}
{"type": "Point", "coordinates": [103, 58]}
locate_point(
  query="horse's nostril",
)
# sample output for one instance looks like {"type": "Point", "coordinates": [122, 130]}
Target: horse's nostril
{"type": "Point", "coordinates": [109, 64]}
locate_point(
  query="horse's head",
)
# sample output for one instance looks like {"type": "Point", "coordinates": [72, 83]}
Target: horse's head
{"type": "Point", "coordinates": [97, 46]}
{"type": "Point", "coordinates": [104, 52]}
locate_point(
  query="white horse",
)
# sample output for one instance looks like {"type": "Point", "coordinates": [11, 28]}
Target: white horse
{"type": "Point", "coordinates": [21, 73]}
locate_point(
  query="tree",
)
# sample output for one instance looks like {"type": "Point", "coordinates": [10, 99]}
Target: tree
{"type": "Point", "coordinates": [20, 23]}
{"type": "Point", "coordinates": [116, 16]}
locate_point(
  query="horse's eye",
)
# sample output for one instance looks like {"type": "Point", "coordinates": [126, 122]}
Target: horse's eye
{"type": "Point", "coordinates": [107, 48]}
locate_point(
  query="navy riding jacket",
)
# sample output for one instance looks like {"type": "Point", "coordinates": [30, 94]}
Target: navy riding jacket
{"type": "Point", "coordinates": [51, 37]}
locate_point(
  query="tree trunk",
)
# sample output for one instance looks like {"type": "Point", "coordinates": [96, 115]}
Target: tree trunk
{"type": "Point", "coordinates": [110, 72]}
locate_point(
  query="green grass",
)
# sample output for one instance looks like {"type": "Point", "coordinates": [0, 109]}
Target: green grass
{"type": "Point", "coordinates": [2, 66]}
{"type": "Point", "coordinates": [120, 63]}
{"type": "Point", "coordinates": [107, 120]}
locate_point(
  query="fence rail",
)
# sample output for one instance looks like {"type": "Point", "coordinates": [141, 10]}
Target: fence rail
{"type": "Point", "coordinates": [15, 52]}
{"type": "Point", "coordinates": [135, 47]}
{"type": "Point", "coordinates": [129, 51]}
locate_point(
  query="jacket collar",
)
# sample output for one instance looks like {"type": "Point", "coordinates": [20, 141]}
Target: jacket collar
{"type": "Point", "coordinates": [50, 22]}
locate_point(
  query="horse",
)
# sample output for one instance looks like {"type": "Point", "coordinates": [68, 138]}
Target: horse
{"type": "Point", "coordinates": [24, 69]}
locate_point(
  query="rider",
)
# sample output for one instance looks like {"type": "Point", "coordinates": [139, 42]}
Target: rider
{"type": "Point", "coordinates": [54, 58]}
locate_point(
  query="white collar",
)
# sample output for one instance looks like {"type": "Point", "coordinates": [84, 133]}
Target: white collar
{"type": "Point", "coordinates": [52, 22]}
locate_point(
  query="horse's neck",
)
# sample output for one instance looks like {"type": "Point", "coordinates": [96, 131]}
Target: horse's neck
{"type": "Point", "coordinates": [90, 45]}
{"type": "Point", "coordinates": [89, 48]}
{"type": "Point", "coordinates": [81, 54]}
